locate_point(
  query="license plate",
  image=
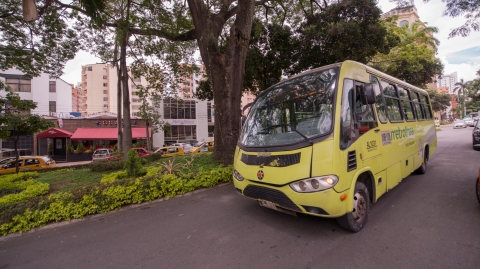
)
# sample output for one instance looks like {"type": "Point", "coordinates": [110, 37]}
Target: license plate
{"type": "Point", "coordinates": [267, 204]}
{"type": "Point", "coordinates": [100, 156]}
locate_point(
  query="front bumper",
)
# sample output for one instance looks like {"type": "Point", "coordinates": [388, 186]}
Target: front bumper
{"type": "Point", "coordinates": [324, 203]}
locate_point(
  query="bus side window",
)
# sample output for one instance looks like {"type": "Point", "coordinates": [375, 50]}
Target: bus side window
{"type": "Point", "coordinates": [364, 112]}
{"type": "Point", "coordinates": [394, 111]}
{"type": "Point", "coordinates": [379, 102]}
{"type": "Point", "coordinates": [426, 106]}
{"type": "Point", "coordinates": [348, 134]}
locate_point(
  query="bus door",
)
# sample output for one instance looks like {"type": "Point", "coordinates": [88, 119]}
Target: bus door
{"type": "Point", "coordinates": [369, 134]}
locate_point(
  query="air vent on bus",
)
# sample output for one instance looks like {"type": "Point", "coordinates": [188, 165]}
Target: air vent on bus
{"type": "Point", "coordinates": [352, 160]}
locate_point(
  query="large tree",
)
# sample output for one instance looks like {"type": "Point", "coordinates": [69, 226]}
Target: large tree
{"type": "Point", "coordinates": [414, 58]}
{"type": "Point", "coordinates": [461, 89]}
{"type": "Point", "coordinates": [348, 29]}
{"type": "Point", "coordinates": [440, 101]}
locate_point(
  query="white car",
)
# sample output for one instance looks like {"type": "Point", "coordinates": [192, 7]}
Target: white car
{"type": "Point", "coordinates": [187, 148]}
{"type": "Point", "coordinates": [468, 122]}
{"type": "Point", "coordinates": [459, 124]}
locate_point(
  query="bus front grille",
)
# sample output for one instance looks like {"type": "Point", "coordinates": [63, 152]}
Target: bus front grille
{"type": "Point", "coordinates": [274, 160]}
{"type": "Point", "coordinates": [277, 197]}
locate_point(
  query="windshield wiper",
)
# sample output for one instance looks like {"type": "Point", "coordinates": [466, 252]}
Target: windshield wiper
{"type": "Point", "coordinates": [288, 125]}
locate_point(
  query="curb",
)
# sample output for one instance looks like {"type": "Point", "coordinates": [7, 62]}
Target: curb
{"type": "Point", "coordinates": [101, 215]}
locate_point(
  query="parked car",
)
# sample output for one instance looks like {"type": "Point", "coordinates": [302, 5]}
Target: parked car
{"type": "Point", "coordinates": [187, 148]}
{"type": "Point", "coordinates": [28, 163]}
{"type": "Point", "coordinates": [478, 186]}
{"type": "Point", "coordinates": [170, 151]}
{"type": "Point", "coordinates": [205, 146]}
{"type": "Point", "coordinates": [142, 152]}
{"type": "Point", "coordinates": [6, 160]}
{"type": "Point", "coordinates": [102, 154]}
{"type": "Point", "coordinates": [468, 122]}
{"type": "Point", "coordinates": [476, 135]}
{"type": "Point", "coordinates": [459, 124]}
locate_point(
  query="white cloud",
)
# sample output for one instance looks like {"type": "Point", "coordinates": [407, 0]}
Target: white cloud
{"type": "Point", "coordinates": [73, 69]}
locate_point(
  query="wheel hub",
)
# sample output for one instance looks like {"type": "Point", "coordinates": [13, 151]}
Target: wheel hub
{"type": "Point", "coordinates": [359, 207]}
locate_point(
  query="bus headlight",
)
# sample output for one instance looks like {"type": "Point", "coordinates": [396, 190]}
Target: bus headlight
{"type": "Point", "coordinates": [237, 175]}
{"type": "Point", "coordinates": [314, 184]}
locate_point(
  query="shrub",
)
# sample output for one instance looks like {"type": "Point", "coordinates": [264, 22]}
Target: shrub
{"type": "Point", "coordinates": [133, 165]}
{"type": "Point", "coordinates": [70, 148]}
{"type": "Point", "coordinates": [80, 148]}
{"type": "Point", "coordinates": [19, 187]}
{"type": "Point", "coordinates": [105, 166]}
{"type": "Point", "coordinates": [36, 212]}
{"type": "Point", "coordinates": [109, 178]}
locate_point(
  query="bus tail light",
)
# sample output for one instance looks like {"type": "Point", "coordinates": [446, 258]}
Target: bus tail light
{"type": "Point", "coordinates": [314, 184]}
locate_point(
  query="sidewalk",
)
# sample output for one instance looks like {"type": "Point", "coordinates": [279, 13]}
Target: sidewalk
{"type": "Point", "coordinates": [72, 163]}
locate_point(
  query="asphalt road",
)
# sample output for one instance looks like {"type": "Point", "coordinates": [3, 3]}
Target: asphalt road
{"type": "Point", "coordinates": [427, 221]}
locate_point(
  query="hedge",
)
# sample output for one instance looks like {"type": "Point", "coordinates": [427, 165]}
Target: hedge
{"type": "Point", "coordinates": [109, 195]}
{"type": "Point", "coordinates": [19, 187]}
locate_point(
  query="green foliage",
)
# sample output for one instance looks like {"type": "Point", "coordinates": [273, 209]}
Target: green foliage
{"type": "Point", "coordinates": [440, 101]}
{"type": "Point", "coordinates": [109, 178]}
{"type": "Point", "coordinates": [133, 165]}
{"type": "Point", "coordinates": [104, 166]}
{"type": "Point", "coordinates": [81, 148]}
{"type": "Point", "coordinates": [342, 30]}
{"type": "Point", "coordinates": [413, 59]}
{"type": "Point", "coordinates": [105, 197]}
{"type": "Point", "coordinates": [70, 148]}
{"type": "Point", "coordinates": [26, 186]}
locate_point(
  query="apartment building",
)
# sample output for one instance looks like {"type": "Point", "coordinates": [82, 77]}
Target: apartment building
{"type": "Point", "coordinates": [448, 81]}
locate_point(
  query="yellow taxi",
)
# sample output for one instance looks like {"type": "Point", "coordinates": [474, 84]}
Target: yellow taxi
{"type": "Point", "coordinates": [170, 151]}
{"type": "Point", "coordinates": [204, 147]}
{"type": "Point", "coordinates": [28, 163]}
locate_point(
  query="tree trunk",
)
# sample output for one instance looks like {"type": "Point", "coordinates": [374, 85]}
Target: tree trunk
{"type": "Point", "coordinates": [17, 155]}
{"type": "Point", "coordinates": [119, 109]}
{"type": "Point", "coordinates": [226, 71]}
{"type": "Point", "coordinates": [148, 135]}
{"type": "Point", "coordinates": [127, 126]}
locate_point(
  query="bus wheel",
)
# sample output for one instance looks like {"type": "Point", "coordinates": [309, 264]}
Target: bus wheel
{"type": "Point", "coordinates": [355, 220]}
{"type": "Point", "coordinates": [423, 168]}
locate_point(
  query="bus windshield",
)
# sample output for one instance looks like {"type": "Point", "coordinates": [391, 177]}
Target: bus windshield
{"type": "Point", "coordinates": [295, 110]}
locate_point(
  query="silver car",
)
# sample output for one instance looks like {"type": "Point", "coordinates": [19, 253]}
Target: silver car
{"type": "Point", "coordinates": [102, 155]}
{"type": "Point", "coordinates": [459, 124]}
{"type": "Point", "coordinates": [187, 148]}
{"type": "Point", "coordinates": [468, 122]}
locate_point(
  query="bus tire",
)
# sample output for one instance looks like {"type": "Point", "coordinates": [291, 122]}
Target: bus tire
{"type": "Point", "coordinates": [356, 220]}
{"type": "Point", "coordinates": [423, 168]}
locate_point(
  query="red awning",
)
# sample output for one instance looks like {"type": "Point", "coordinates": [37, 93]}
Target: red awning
{"type": "Point", "coordinates": [106, 134]}
{"type": "Point", "coordinates": [54, 133]}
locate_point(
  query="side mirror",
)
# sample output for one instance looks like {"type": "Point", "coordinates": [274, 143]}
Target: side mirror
{"type": "Point", "coordinates": [369, 93]}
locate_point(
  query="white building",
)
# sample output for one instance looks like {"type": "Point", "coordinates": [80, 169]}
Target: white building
{"type": "Point", "coordinates": [52, 96]}
{"type": "Point", "coordinates": [448, 81]}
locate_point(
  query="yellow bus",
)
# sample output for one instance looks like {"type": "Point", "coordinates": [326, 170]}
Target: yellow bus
{"type": "Point", "coordinates": [330, 141]}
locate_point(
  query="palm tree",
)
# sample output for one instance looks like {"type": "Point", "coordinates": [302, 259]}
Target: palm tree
{"type": "Point", "coordinates": [461, 87]}
{"type": "Point", "coordinates": [419, 33]}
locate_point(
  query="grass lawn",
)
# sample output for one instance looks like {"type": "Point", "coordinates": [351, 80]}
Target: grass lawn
{"type": "Point", "coordinates": [68, 179]}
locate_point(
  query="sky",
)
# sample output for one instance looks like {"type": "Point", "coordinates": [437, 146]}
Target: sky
{"type": "Point", "coordinates": [458, 54]}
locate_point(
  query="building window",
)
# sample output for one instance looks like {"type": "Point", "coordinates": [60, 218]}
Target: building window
{"type": "Point", "coordinates": [19, 85]}
{"type": "Point", "coordinates": [104, 77]}
{"type": "Point", "coordinates": [209, 111]}
{"type": "Point", "coordinates": [179, 109]}
{"type": "Point", "coordinates": [181, 132]}
{"type": "Point", "coordinates": [105, 91]}
{"type": "Point", "coordinates": [403, 23]}
{"type": "Point", "coordinates": [105, 98]}
{"type": "Point", "coordinates": [105, 84]}
{"type": "Point", "coordinates": [134, 86]}
{"type": "Point", "coordinates": [52, 106]}
{"type": "Point", "coordinates": [52, 86]}
{"type": "Point", "coordinates": [89, 68]}
{"type": "Point", "coordinates": [137, 79]}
